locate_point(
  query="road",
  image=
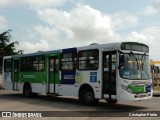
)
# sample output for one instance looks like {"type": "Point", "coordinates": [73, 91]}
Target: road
{"type": "Point", "coordinates": [14, 101]}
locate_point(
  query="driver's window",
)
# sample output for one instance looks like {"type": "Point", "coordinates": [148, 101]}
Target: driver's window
{"type": "Point", "coordinates": [121, 60]}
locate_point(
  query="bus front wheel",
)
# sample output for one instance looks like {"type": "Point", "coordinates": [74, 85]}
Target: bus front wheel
{"type": "Point", "coordinates": [87, 97]}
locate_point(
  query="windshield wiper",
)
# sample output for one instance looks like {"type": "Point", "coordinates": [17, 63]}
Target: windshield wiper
{"type": "Point", "coordinates": [142, 59]}
{"type": "Point", "coordinates": [134, 58]}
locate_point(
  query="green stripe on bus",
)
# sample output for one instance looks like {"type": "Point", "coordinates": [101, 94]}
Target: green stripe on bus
{"type": "Point", "coordinates": [136, 89]}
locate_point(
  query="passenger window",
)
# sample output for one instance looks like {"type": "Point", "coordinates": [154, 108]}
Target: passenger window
{"type": "Point", "coordinates": [88, 60]}
{"type": "Point", "coordinates": [68, 61]}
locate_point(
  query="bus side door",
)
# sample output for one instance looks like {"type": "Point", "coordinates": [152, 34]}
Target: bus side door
{"type": "Point", "coordinates": [53, 73]}
{"type": "Point", "coordinates": [109, 74]}
{"type": "Point", "coordinates": [16, 74]}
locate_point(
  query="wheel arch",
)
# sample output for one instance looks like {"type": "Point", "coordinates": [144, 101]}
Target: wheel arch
{"type": "Point", "coordinates": [27, 83]}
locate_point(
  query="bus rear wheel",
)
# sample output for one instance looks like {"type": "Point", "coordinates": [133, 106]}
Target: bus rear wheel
{"type": "Point", "coordinates": [87, 97]}
{"type": "Point", "coordinates": [27, 91]}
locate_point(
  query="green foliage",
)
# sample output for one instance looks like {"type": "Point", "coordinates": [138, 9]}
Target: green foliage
{"type": "Point", "coordinates": [6, 47]}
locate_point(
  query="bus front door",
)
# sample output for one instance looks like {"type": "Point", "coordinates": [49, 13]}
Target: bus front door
{"type": "Point", "coordinates": [53, 74]}
{"type": "Point", "coordinates": [16, 74]}
{"type": "Point", "coordinates": [109, 75]}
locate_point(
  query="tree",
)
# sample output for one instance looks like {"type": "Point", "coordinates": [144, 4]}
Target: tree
{"type": "Point", "coordinates": [6, 47]}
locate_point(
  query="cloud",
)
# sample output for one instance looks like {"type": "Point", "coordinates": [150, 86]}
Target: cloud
{"type": "Point", "coordinates": [148, 35]}
{"type": "Point", "coordinates": [80, 26]}
{"type": "Point", "coordinates": [33, 4]}
{"type": "Point", "coordinates": [3, 22]}
{"type": "Point", "coordinates": [151, 10]}
{"type": "Point", "coordinates": [30, 47]}
{"type": "Point", "coordinates": [46, 33]}
{"type": "Point", "coordinates": [4, 3]}
{"type": "Point", "coordinates": [156, 4]}
{"type": "Point", "coordinates": [82, 23]}
{"type": "Point", "coordinates": [154, 8]}
{"type": "Point", "coordinates": [123, 20]}
{"type": "Point", "coordinates": [42, 3]}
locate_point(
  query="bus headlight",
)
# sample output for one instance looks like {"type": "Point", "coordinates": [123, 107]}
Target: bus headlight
{"type": "Point", "coordinates": [127, 89]}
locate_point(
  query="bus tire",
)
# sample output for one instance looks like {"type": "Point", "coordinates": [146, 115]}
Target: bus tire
{"type": "Point", "coordinates": [111, 101]}
{"type": "Point", "coordinates": [87, 97]}
{"type": "Point", "coordinates": [27, 91]}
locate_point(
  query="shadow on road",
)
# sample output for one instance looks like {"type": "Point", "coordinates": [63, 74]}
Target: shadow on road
{"type": "Point", "coordinates": [56, 102]}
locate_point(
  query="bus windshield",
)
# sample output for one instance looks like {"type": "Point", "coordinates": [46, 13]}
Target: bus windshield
{"type": "Point", "coordinates": [134, 66]}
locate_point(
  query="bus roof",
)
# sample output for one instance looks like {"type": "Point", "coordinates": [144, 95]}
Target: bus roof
{"type": "Point", "coordinates": [92, 46]}
{"type": "Point", "coordinates": [115, 45]}
{"type": "Point", "coordinates": [37, 53]}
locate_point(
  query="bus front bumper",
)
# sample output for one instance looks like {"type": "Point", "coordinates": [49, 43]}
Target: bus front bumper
{"type": "Point", "coordinates": [125, 96]}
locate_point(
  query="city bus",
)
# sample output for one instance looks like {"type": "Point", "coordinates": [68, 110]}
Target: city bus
{"type": "Point", "coordinates": [113, 72]}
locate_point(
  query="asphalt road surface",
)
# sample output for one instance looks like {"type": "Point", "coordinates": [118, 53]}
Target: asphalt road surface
{"type": "Point", "coordinates": [63, 108]}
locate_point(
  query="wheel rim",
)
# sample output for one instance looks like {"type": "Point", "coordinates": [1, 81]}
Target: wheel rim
{"type": "Point", "coordinates": [88, 96]}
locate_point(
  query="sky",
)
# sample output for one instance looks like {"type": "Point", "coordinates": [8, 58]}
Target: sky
{"type": "Point", "coordinates": [41, 25]}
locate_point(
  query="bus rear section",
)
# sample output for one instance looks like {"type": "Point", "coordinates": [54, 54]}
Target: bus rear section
{"type": "Point", "coordinates": [7, 82]}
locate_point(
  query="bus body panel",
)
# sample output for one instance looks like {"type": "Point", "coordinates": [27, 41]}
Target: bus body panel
{"type": "Point", "coordinates": [68, 90]}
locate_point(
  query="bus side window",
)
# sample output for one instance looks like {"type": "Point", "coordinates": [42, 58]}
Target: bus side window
{"type": "Point", "coordinates": [7, 65]}
{"type": "Point", "coordinates": [38, 63]}
{"type": "Point", "coordinates": [26, 64]}
{"type": "Point", "coordinates": [88, 59]}
{"type": "Point", "coordinates": [68, 61]}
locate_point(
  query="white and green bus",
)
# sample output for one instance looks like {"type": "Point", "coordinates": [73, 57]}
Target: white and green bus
{"type": "Point", "coordinates": [114, 72]}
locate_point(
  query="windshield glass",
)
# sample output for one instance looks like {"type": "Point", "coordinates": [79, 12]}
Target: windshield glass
{"type": "Point", "coordinates": [134, 66]}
